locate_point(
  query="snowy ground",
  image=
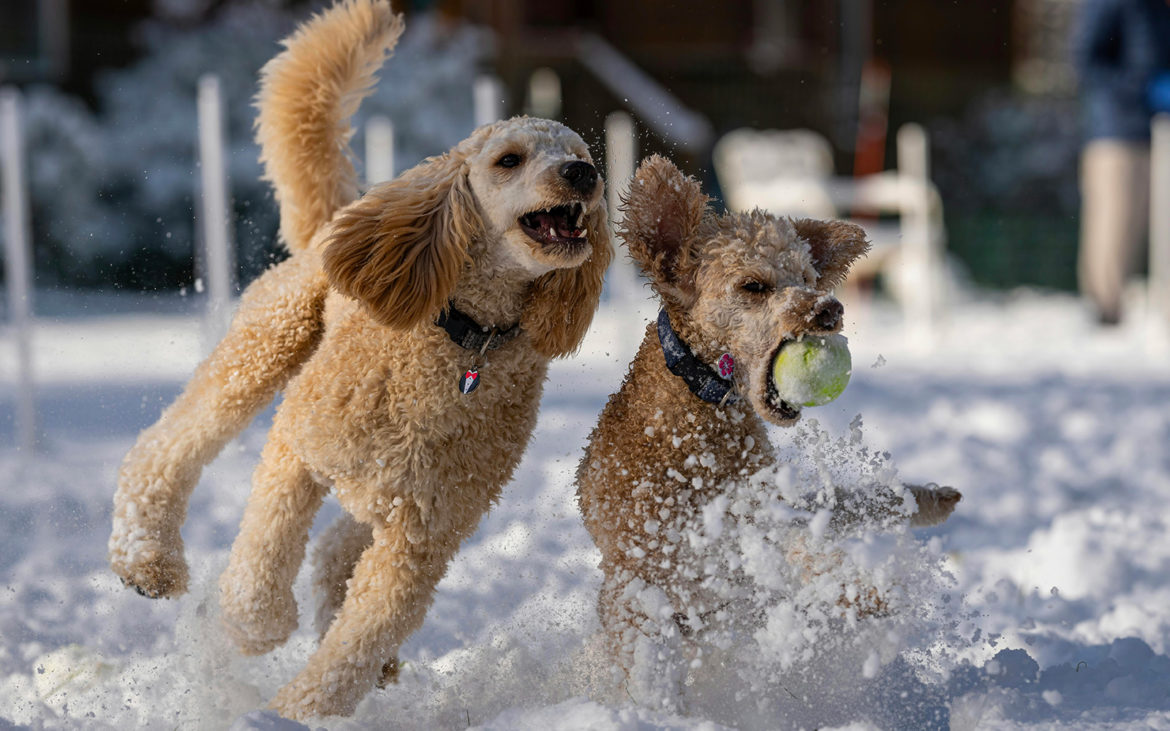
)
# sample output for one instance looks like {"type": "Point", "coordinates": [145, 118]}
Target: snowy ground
{"type": "Point", "coordinates": [1057, 614]}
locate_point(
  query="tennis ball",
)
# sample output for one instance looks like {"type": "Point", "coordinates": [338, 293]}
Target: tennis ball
{"type": "Point", "coordinates": [812, 371]}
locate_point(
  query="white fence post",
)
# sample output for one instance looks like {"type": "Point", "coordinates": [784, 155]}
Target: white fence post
{"type": "Point", "coordinates": [18, 264]}
{"type": "Point", "coordinates": [920, 259]}
{"type": "Point", "coordinates": [621, 151]}
{"type": "Point", "coordinates": [489, 100]}
{"type": "Point", "coordinates": [379, 150]}
{"type": "Point", "coordinates": [1159, 286]}
{"type": "Point", "coordinates": [621, 154]}
{"type": "Point", "coordinates": [218, 261]}
{"type": "Point", "coordinates": [544, 94]}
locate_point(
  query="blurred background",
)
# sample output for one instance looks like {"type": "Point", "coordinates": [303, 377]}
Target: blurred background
{"type": "Point", "coordinates": [953, 131]}
{"type": "Point", "coordinates": [109, 91]}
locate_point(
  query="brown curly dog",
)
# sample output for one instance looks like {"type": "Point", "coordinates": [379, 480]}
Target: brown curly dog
{"type": "Point", "coordinates": [677, 434]}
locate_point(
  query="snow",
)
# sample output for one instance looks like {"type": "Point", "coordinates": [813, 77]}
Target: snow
{"type": "Point", "coordinates": [1041, 603]}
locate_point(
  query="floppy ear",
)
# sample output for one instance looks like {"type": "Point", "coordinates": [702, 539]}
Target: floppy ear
{"type": "Point", "coordinates": [561, 303]}
{"type": "Point", "coordinates": [663, 209]}
{"type": "Point", "coordinates": [835, 246]}
{"type": "Point", "coordinates": [400, 248]}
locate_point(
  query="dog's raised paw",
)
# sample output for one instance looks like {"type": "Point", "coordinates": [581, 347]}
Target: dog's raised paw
{"type": "Point", "coordinates": [389, 673]}
{"type": "Point", "coordinates": [151, 570]}
{"type": "Point", "coordinates": [935, 503]}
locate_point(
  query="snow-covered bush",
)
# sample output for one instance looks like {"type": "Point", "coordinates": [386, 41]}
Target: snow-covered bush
{"type": "Point", "coordinates": [73, 214]}
{"type": "Point", "coordinates": [114, 192]}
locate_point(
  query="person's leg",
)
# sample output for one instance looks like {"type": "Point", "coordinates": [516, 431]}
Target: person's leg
{"type": "Point", "coordinates": [1114, 209]}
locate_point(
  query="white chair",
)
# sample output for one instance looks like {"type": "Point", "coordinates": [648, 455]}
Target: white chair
{"type": "Point", "coordinates": [790, 173]}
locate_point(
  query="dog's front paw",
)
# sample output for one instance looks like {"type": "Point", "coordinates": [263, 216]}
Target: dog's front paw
{"type": "Point", "coordinates": [256, 620]}
{"type": "Point", "coordinates": [389, 673]}
{"type": "Point", "coordinates": [152, 566]}
{"type": "Point", "coordinates": [308, 696]}
{"type": "Point", "coordinates": [863, 601]}
{"type": "Point", "coordinates": [935, 504]}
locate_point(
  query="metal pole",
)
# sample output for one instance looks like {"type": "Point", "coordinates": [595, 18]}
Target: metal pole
{"type": "Point", "coordinates": [18, 269]}
{"type": "Point", "coordinates": [1160, 218]}
{"type": "Point", "coordinates": [489, 100]}
{"type": "Point", "coordinates": [218, 260]}
{"type": "Point", "coordinates": [379, 150]}
{"type": "Point", "coordinates": [544, 94]}
{"type": "Point", "coordinates": [920, 260]}
{"type": "Point", "coordinates": [621, 152]}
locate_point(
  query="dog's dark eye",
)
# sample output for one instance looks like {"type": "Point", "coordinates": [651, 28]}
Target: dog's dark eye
{"type": "Point", "coordinates": [753, 287]}
{"type": "Point", "coordinates": [508, 161]}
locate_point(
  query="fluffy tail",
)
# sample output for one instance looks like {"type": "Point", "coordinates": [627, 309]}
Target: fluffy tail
{"type": "Point", "coordinates": [307, 96]}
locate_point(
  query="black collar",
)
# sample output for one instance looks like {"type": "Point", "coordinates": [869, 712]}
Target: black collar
{"type": "Point", "coordinates": [701, 378]}
{"type": "Point", "coordinates": [469, 334]}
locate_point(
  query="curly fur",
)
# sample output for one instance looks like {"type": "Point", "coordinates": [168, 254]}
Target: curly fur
{"type": "Point", "coordinates": [635, 488]}
{"type": "Point", "coordinates": [371, 407]}
{"type": "Point", "coordinates": [429, 214]}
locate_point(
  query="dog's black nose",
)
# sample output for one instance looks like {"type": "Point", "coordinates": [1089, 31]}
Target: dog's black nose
{"type": "Point", "coordinates": [581, 176]}
{"type": "Point", "coordinates": [829, 316]}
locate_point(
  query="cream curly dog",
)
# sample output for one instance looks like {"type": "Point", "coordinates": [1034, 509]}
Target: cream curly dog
{"type": "Point", "coordinates": [677, 433]}
{"type": "Point", "coordinates": [411, 331]}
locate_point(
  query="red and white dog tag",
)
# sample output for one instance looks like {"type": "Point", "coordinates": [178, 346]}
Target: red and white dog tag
{"type": "Point", "coordinates": [470, 381]}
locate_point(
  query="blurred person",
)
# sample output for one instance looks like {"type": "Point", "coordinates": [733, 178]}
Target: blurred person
{"type": "Point", "coordinates": [1121, 50]}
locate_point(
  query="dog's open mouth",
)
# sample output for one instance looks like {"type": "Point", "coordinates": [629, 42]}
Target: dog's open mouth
{"type": "Point", "coordinates": [781, 408]}
{"type": "Point", "coordinates": [556, 226]}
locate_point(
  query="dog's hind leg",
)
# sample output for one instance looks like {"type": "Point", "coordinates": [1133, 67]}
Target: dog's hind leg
{"type": "Point", "coordinates": [617, 625]}
{"type": "Point", "coordinates": [276, 328]}
{"type": "Point", "coordinates": [648, 650]}
{"type": "Point", "coordinates": [338, 550]}
{"type": "Point", "coordinates": [392, 586]}
{"type": "Point", "coordinates": [256, 596]}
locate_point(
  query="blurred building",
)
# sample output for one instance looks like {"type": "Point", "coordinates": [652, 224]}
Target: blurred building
{"type": "Point", "coordinates": [66, 42]}
{"type": "Point", "coordinates": [1041, 33]}
{"type": "Point", "coordinates": [991, 81]}
{"type": "Point", "coordinates": [773, 63]}
{"type": "Point", "coordinates": [852, 70]}
{"type": "Point", "coordinates": [760, 63]}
